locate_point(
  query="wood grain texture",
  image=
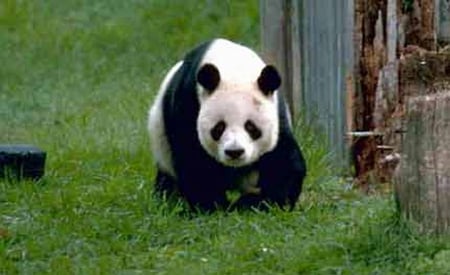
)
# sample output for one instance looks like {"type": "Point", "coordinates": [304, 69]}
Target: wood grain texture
{"type": "Point", "coordinates": [423, 180]}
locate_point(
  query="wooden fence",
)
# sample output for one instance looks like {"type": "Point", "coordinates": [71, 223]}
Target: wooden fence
{"type": "Point", "coordinates": [311, 42]}
{"type": "Point", "coordinates": [332, 53]}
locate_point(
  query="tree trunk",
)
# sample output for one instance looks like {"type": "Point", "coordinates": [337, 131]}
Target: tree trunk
{"type": "Point", "coordinates": [370, 22]}
{"type": "Point", "coordinates": [420, 29]}
{"type": "Point", "coordinates": [423, 187]}
{"type": "Point", "coordinates": [423, 177]}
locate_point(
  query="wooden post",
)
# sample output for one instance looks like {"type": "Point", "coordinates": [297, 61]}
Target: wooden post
{"type": "Point", "coordinates": [423, 185]}
{"type": "Point", "coordinates": [423, 177]}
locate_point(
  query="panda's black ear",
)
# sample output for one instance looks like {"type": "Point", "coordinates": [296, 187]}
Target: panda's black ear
{"type": "Point", "coordinates": [269, 80]}
{"type": "Point", "coordinates": [209, 77]}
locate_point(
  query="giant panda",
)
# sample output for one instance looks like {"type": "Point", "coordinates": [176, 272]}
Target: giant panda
{"type": "Point", "coordinates": [218, 123]}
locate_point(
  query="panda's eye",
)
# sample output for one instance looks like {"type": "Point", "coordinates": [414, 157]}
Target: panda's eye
{"type": "Point", "coordinates": [254, 132]}
{"type": "Point", "coordinates": [217, 130]}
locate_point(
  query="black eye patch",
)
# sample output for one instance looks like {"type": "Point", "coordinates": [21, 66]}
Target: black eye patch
{"type": "Point", "coordinates": [218, 129]}
{"type": "Point", "coordinates": [254, 132]}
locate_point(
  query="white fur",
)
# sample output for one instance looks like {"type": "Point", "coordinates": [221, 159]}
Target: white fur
{"type": "Point", "coordinates": [236, 99]}
{"type": "Point", "coordinates": [235, 108]}
{"type": "Point", "coordinates": [159, 143]}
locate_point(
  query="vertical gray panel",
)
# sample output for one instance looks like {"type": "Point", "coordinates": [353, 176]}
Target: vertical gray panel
{"type": "Point", "coordinates": [443, 20]}
{"type": "Point", "coordinates": [280, 41]}
{"type": "Point", "coordinates": [296, 58]}
{"type": "Point", "coordinates": [337, 104]}
{"type": "Point", "coordinates": [271, 29]}
{"type": "Point", "coordinates": [324, 45]}
{"type": "Point", "coordinates": [327, 50]}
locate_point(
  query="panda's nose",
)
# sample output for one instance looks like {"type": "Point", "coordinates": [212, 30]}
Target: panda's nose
{"type": "Point", "coordinates": [234, 153]}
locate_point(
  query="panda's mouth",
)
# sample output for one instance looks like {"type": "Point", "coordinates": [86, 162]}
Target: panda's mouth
{"type": "Point", "coordinates": [235, 162]}
{"type": "Point", "coordinates": [233, 157]}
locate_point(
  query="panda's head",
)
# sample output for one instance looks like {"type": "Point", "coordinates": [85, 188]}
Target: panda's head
{"type": "Point", "coordinates": [238, 120]}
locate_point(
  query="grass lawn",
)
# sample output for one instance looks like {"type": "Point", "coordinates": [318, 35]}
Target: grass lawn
{"type": "Point", "coordinates": [77, 78]}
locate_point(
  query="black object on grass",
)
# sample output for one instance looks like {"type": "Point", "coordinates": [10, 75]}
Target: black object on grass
{"type": "Point", "coordinates": [21, 162]}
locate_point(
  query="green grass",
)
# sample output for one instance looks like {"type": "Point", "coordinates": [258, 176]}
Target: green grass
{"type": "Point", "coordinates": [77, 78]}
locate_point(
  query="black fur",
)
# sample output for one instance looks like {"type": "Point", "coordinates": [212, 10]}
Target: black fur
{"type": "Point", "coordinates": [269, 80]}
{"type": "Point", "coordinates": [201, 180]}
{"type": "Point", "coordinates": [208, 76]}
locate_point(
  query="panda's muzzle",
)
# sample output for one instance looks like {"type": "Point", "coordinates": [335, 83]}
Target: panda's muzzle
{"type": "Point", "coordinates": [234, 153]}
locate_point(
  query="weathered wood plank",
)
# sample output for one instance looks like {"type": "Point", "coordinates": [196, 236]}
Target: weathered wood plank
{"type": "Point", "coordinates": [443, 20]}
{"type": "Point", "coordinates": [311, 43]}
{"type": "Point", "coordinates": [280, 36]}
{"type": "Point", "coordinates": [371, 49]}
{"type": "Point", "coordinates": [423, 185]}
{"type": "Point", "coordinates": [423, 177]}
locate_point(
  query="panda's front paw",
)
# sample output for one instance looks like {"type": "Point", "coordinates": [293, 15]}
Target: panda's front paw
{"type": "Point", "coordinates": [250, 201]}
{"type": "Point", "coordinates": [208, 206]}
